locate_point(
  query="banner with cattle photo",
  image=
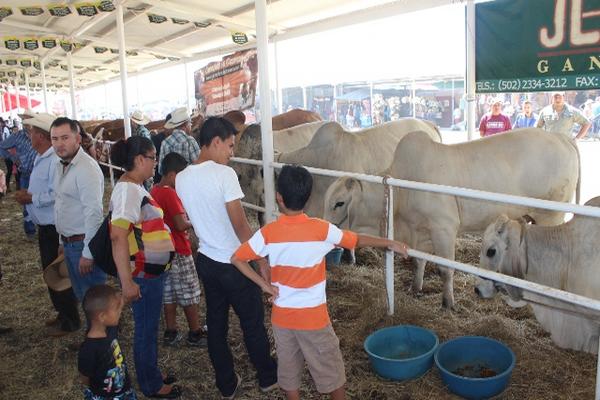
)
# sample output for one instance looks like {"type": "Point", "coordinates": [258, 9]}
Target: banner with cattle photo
{"type": "Point", "coordinates": [537, 45]}
{"type": "Point", "coordinates": [229, 84]}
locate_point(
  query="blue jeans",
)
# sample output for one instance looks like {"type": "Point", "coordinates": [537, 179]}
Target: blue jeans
{"type": "Point", "coordinates": [28, 225]}
{"type": "Point", "coordinates": [146, 317]}
{"type": "Point", "coordinates": [81, 283]}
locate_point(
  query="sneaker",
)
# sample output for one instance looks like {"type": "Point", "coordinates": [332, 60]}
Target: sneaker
{"type": "Point", "coordinates": [269, 388]}
{"type": "Point", "coordinates": [237, 387]}
{"type": "Point", "coordinates": [198, 338]}
{"type": "Point", "coordinates": [171, 338]}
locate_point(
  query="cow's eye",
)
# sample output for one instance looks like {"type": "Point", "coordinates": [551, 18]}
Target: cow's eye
{"type": "Point", "coordinates": [338, 204]}
{"type": "Point", "coordinates": [491, 252]}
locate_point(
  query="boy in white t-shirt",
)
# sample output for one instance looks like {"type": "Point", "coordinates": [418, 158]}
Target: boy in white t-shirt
{"type": "Point", "coordinates": [211, 195]}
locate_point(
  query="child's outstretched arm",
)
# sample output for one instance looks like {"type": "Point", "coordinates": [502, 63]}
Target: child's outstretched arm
{"type": "Point", "coordinates": [251, 274]}
{"type": "Point", "coordinates": [375, 241]}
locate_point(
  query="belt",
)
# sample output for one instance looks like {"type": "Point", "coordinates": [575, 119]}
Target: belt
{"type": "Point", "coordinates": [71, 239]}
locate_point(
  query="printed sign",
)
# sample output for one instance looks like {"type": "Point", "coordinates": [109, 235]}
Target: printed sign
{"type": "Point", "coordinates": [48, 43]}
{"type": "Point", "coordinates": [537, 45]}
{"type": "Point", "coordinates": [66, 45]}
{"type": "Point", "coordinates": [229, 84]}
{"type": "Point", "coordinates": [32, 11]}
{"type": "Point", "coordinates": [105, 6]}
{"type": "Point", "coordinates": [86, 9]}
{"type": "Point", "coordinates": [59, 10]}
{"type": "Point", "coordinates": [31, 44]}
{"type": "Point", "coordinates": [239, 38]}
{"type": "Point", "coordinates": [5, 12]}
{"type": "Point", "coordinates": [12, 43]}
{"type": "Point", "coordinates": [156, 19]}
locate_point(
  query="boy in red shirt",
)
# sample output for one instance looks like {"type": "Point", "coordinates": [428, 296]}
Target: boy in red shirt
{"type": "Point", "coordinates": [296, 246]}
{"type": "Point", "coordinates": [181, 284]}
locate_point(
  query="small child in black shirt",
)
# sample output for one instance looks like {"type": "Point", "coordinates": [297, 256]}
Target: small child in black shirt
{"type": "Point", "coordinates": [101, 363]}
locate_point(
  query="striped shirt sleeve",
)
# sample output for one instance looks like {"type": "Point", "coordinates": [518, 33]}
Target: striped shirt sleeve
{"type": "Point", "coordinates": [338, 237]}
{"type": "Point", "coordinates": [253, 249]}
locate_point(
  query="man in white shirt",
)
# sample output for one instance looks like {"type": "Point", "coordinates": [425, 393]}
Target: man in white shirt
{"type": "Point", "coordinates": [38, 198]}
{"type": "Point", "coordinates": [78, 210]}
{"type": "Point", "coordinates": [211, 194]}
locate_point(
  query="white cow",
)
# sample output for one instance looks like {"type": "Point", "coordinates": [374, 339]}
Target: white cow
{"type": "Point", "coordinates": [525, 162]}
{"type": "Point", "coordinates": [367, 151]}
{"type": "Point", "coordinates": [249, 145]}
{"type": "Point", "coordinates": [565, 257]}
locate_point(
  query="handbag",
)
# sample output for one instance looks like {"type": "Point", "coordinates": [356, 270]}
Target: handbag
{"type": "Point", "coordinates": [101, 248]}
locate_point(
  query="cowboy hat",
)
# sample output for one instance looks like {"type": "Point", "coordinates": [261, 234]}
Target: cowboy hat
{"type": "Point", "coordinates": [56, 275]}
{"type": "Point", "coordinates": [139, 118]}
{"type": "Point", "coordinates": [39, 120]}
{"type": "Point", "coordinates": [179, 116]}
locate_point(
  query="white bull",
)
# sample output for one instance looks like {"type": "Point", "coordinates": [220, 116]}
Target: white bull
{"type": "Point", "coordinates": [250, 146]}
{"type": "Point", "coordinates": [368, 151]}
{"type": "Point", "coordinates": [564, 257]}
{"type": "Point", "coordinates": [525, 162]}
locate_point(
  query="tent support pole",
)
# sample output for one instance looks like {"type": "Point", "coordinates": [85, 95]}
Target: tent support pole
{"type": "Point", "coordinates": [123, 69]}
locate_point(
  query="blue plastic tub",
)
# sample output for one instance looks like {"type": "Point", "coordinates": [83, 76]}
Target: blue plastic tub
{"type": "Point", "coordinates": [334, 257]}
{"type": "Point", "coordinates": [475, 367]}
{"type": "Point", "coordinates": [401, 352]}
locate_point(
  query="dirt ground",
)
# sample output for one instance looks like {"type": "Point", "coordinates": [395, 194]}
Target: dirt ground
{"type": "Point", "coordinates": [35, 366]}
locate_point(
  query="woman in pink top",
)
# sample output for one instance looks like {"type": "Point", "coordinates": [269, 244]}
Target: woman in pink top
{"type": "Point", "coordinates": [494, 122]}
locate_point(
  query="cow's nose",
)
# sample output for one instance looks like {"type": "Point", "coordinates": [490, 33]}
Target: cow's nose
{"type": "Point", "coordinates": [477, 292]}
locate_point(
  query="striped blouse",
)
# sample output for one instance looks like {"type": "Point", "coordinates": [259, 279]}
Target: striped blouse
{"type": "Point", "coordinates": [151, 247]}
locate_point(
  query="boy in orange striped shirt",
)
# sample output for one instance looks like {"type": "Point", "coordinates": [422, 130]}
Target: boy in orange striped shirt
{"type": "Point", "coordinates": [296, 246]}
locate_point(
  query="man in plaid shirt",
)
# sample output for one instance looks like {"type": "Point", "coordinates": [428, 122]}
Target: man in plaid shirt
{"type": "Point", "coordinates": [24, 159]}
{"type": "Point", "coordinates": [179, 141]}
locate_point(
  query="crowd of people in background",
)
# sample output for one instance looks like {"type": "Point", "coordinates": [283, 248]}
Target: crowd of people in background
{"type": "Point", "coordinates": [448, 110]}
{"type": "Point", "coordinates": [558, 117]}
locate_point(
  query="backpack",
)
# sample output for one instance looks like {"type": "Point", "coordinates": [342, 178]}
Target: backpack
{"type": "Point", "coordinates": [101, 248]}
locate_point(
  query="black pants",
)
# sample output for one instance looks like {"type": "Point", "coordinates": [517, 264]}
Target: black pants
{"type": "Point", "coordinates": [64, 302]}
{"type": "Point", "coordinates": [225, 286]}
{"type": "Point", "coordinates": [9, 166]}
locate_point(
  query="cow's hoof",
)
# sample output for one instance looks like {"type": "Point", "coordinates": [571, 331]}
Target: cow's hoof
{"type": "Point", "coordinates": [447, 305]}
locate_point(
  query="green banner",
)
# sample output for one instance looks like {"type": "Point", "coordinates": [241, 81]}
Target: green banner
{"type": "Point", "coordinates": [537, 45]}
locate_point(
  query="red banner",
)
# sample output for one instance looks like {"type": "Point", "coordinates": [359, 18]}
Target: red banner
{"type": "Point", "coordinates": [229, 84]}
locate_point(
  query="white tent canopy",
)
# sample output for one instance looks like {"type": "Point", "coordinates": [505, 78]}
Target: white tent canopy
{"type": "Point", "coordinates": [191, 30]}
